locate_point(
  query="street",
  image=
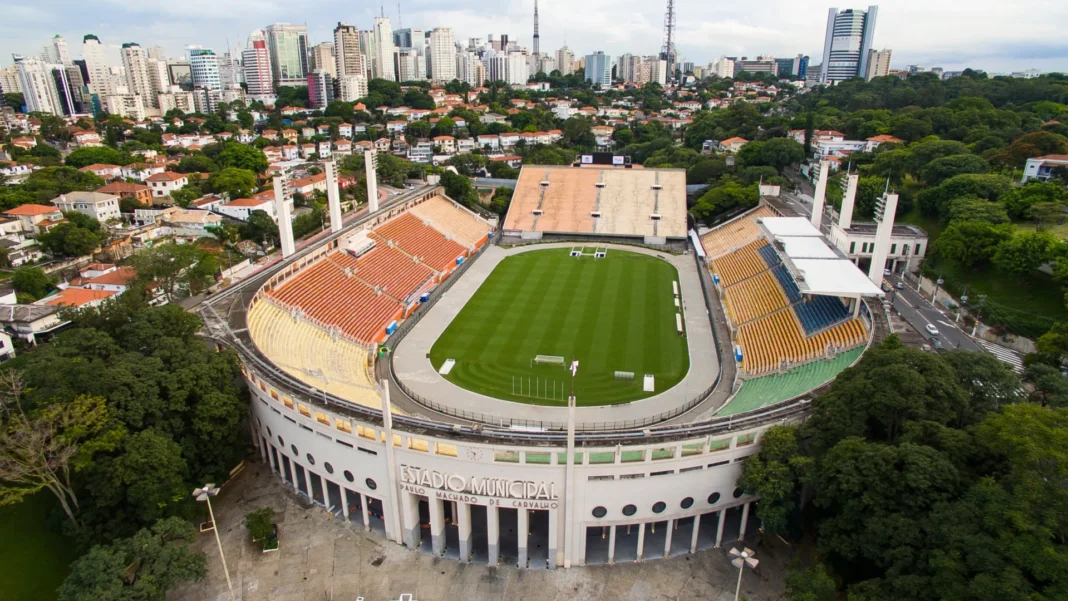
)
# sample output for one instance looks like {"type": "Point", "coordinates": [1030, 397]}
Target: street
{"type": "Point", "coordinates": [918, 312]}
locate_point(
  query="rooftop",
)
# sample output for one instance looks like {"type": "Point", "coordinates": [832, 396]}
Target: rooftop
{"type": "Point", "coordinates": [77, 297]}
{"type": "Point", "coordinates": [31, 210]}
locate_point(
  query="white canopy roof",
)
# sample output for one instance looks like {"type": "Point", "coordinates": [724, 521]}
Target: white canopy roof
{"type": "Point", "coordinates": [789, 226]}
{"type": "Point", "coordinates": [801, 247]}
{"type": "Point", "coordinates": [838, 277]}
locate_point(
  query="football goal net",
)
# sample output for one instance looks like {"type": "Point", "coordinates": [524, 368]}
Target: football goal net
{"type": "Point", "coordinates": [548, 360]}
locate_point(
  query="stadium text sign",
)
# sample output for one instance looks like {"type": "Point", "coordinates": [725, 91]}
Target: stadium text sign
{"type": "Point", "coordinates": [490, 487]}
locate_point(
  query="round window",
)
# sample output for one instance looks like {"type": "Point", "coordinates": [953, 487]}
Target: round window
{"type": "Point", "coordinates": [293, 448]}
{"type": "Point", "coordinates": [370, 484]}
{"type": "Point", "coordinates": [738, 492]}
{"type": "Point", "coordinates": [686, 503]}
{"type": "Point", "coordinates": [659, 507]}
{"type": "Point", "coordinates": [599, 512]}
{"type": "Point", "coordinates": [713, 498]}
{"type": "Point", "coordinates": [630, 510]}
{"type": "Point", "coordinates": [311, 459]}
{"type": "Point", "coordinates": [329, 468]}
{"type": "Point", "coordinates": [348, 476]}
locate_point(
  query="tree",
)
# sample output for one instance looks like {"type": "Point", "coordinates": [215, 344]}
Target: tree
{"type": "Point", "coordinates": [935, 201]}
{"type": "Point", "coordinates": [242, 156]}
{"type": "Point", "coordinates": [143, 567]}
{"type": "Point", "coordinates": [33, 281]}
{"type": "Point", "coordinates": [70, 240]}
{"type": "Point", "coordinates": [941, 169]}
{"type": "Point", "coordinates": [973, 243]}
{"type": "Point", "coordinates": [577, 130]}
{"type": "Point", "coordinates": [501, 199]}
{"type": "Point", "coordinates": [260, 524]}
{"type": "Point", "coordinates": [236, 182]}
{"type": "Point", "coordinates": [196, 163]}
{"type": "Point", "coordinates": [723, 198]}
{"type": "Point", "coordinates": [1024, 252]}
{"type": "Point", "coordinates": [90, 155]}
{"type": "Point", "coordinates": [1019, 200]}
{"type": "Point", "coordinates": [260, 228]}
{"type": "Point", "coordinates": [813, 584]}
{"type": "Point", "coordinates": [172, 267]}
{"type": "Point", "coordinates": [1051, 387]}
{"type": "Point", "coordinates": [340, 108]}
{"type": "Point", "coordinates": [458, 188]}
{"type": "Point", "coordinates": [773, 474]}
{"type": "Point", "coordinates": [973, 208]}
{"type": "Point", "coordinates": [780, 153]}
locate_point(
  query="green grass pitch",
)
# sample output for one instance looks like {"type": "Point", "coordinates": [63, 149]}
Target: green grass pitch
{"type": "Point", "coordinates": [612, 314]}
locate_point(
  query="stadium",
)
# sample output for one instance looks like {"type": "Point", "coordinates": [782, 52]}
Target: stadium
{"type": "Point", "coordinates": [578, 383]}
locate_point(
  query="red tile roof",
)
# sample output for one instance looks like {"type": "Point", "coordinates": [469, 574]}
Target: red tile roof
{"type": "Point", "coordinates": [31, 209]}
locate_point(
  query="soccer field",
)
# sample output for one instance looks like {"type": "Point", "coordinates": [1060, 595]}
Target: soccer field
{"type": "Point", "coordinates": [611, 314]}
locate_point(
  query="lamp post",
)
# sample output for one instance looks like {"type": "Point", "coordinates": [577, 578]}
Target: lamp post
{"type": "Point", "coordinates": [205, 494]}
{"type": "Point", "coordinates": [741, 559]}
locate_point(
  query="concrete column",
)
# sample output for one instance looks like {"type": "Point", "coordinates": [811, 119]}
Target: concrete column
{"type": "Point", "coordinates": [370, 164]}
{"type": "Point", "coordinates": [493, 535]}
{"type": "Point", "coordinates": [745, 521]}
{"type": "Point", "coordinates": [409, 504]}
{"type": "Point", "coordinates": [524, 536]}
{"type": "Point", "coordinates": [667, 539]}
{"type": "Point", "coordinates": [344, 500]}
{"type": "Point", "coordinates": [366, 511]}
{"type": "Point", "coordinates": [696, 529]}
{"type": "Point", "coordinates": [281, 212]}
{"type": "Point", "coordinates": [885, 208]}
{"type": "Point", "coordinates": [390, 498]}
{"type": "Point", "coordinates": [569, 492]}
{"type": "Point", "coordinates": [845, 219]}
{"type": "Point", "coordinates": [719, 527]}
{"type": "Point", "coordinates": [820, 197]}
{"type": "Point", "coordinates": [612, 544]}
{"type": "Point", "coordinates": [292, 474]}
{"type": "Point", "coordinates": [437, 525]}
{"type": "Point", "coordinates": [463, 522]}
{"type": "Point", "coordinates": [554, 526]}
{"type": "Point", "coordinates": [333, 195]}
{"type": "Point", "coordinates": [641, 541]}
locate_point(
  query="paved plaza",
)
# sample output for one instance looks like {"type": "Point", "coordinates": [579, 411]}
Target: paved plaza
{"type": "Point", "coordinates": [323, 558]}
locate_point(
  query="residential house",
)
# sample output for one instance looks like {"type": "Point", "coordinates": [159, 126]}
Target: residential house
{"type": "Point", "coordinates": [186, 223]}
{"type": "Point", "coordinates": [141, 171]}
{"type": "Point", "coordinates": [307, 150]}
{"type": "Point", "coordinates": [732, 144]}
{"type": "Point", "coordinates": [512, 160]}
{"type": "Point", "coordinates": [87, 138]}
{"type": "Point", "coordinates": [103, 170]}
{"type": "Point", "coordinates": [241, 208]}
{"type": "Point", "coordinates": [489, 142]}
{"type": "Point", "coordinates": [163, 184]}
{"type": "Point", "coordinates": [310, 184]}
{"type": "Point", "coordinates": [396, 127]}
{"type": "Point", "coordinates": [466, 145]}
{"type": "Point", "coordinates": [140, 193]}
{"type": "Point", "coordinates": [343, 147]}
{"type": "Point", "coordinates": [344, 130]}
{"type": "Point", "coordinates": [290, 135]}
{"type": "Point", "coordinates": [324, 149]}
{"type": "Point", "coordinates": [97, 205]}
{"type": "Point", "coordinates": [35, 219]}
{"type": "Point", "coordinates": [446, 143]}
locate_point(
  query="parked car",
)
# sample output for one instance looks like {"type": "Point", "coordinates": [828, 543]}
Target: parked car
{"type": "Point", "coordinates": [933, 331]}
{"type": "Point", "coordinates": [887, 272]}
{"type": "Point", "coordinates": [886, 287]}
{"type": "Point", "coordinates": [937, 344]}
{"type": "Point", "coordinates": [899, 285]}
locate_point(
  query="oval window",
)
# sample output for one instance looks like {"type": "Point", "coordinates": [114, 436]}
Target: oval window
{"type": "Point", "coordinates": [599, 512]}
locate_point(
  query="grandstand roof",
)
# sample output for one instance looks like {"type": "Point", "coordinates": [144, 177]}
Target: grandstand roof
{"type": "Point", "coordinates": [837, 277]}
{"type": "Point", "coordinates": [804, 247]}
{"type": "Point", "coordinates": [789, 226]}
{"type": "Point", "coordinates": [565, 200]}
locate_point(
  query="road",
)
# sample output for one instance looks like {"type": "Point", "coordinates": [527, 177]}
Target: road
{"type": "Point", "coordinates": [918, 311]}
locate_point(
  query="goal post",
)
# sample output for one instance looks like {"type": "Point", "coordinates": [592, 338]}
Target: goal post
{"type": "Point", "coordinates": [548, 360]}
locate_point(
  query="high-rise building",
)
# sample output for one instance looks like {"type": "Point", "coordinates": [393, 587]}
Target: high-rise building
{"type": "Point", "coordinates": [256, 62]}
{"type": "Point", "coordinates": [288, 48]}
{"type": "Point", "coordinates": [407, 64]}
{"type": "Point", "coordinates": [158, 78]}
{"type": "Point", "coordinates": [96, 63]}
{"type": "Point", "coordinates": [350, 63]}
{"type": "Point", "coordinates": [73, 93]}
{"type": "Point", "coordinates": [565, 60]}
{"type": "Point", "coordinates": [414, 39]}
{"type": "Point", "coordinates": [442, 55]}
{"type": "Point", "coordinates": [320, 89]}
{"type": "Point", "coordinates": [658, 69]}
{"type": "Point", "coordinates": [878, 63]}
{"type": "Point", "coordinates": [845, 48]}
{"type": "Point", "coordinates": [231, 72]}
{"type": "Point", "coordinates": [38, 85]}
{"type": "Point", "coordinates": [384, 50]}
{"type": "Point", "coordinates": [56, 51]}
{"type": "Point", "coordinates": [130, 106]}
{"type": "Point", "coordinates": [9, 81]}
{"type": "Point", "coordinates": [369, 52]}
{"type": "Point", "coordinates": [204, 64]}
{"type": "Point", "coordinates": [135, 62]}
{"type": "Point", "coordinates": [156, 52]}
{"type": "Point", "coordinates": [516, 71]}
{"type": "Point", "coordinates": [723, 68]}
{"type": "Point", "coordinates": [599, 68]}
{"type": "Point", "coordinates": [322, 58]}
{"type": "Point", "coordinates": [470, 69]}
{"type": "Point", "coordinates": [760, 64]}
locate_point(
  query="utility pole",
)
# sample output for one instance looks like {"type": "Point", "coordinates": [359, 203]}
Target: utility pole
{"type": "Point", "coordinates": [978, 314]}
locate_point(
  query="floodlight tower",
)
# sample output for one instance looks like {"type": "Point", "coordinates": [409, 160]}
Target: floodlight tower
{"type": "Point", "coordinates": [820, 197]}
{"type": "Point", "coordinates": [283, 195]}
{"type": "Point", "coordinates": [333, 195]}
{"type": "Point", "coordinates": [885, 208]}
{"type": "Point", "coordinates": [370, 166]}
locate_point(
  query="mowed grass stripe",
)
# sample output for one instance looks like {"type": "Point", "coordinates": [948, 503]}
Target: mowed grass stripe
{"type": "Point", "coordinates": [611, 314]}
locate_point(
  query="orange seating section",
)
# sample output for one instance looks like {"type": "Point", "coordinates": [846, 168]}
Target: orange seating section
{"type": "Point", "coordinates": [735, 233]}
{"type": "Point", "coordinates": [778, 337]}
{"type": "Point", "coordinates": [754, 298]}
{"type": "Point", "coordinates": [419, 240]}
{"type": "Point", "coordinates": [396, 273]}
{"type": "Point", "coordinates": [739, 265]}
{"type": "Point", "coordinates": [462, 225]}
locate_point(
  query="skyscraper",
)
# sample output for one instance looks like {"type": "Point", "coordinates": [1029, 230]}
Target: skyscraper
{"type": "Point", "coordinates": [288, 48]}
{"type": "Point", "coordinates": [320, 89]}
{"type": "Point", "coordinates": [96, 64]}
{"type": "Point", "coordinates": [846, 45]}
{"type": "Point", "coordinates": [135, 61]}
{"type": "Point", "coordinates": [369, 52]}
{"type": "Point", "coordinates": [384, 49]}
{"type": "Point", "coordinates": [350, 63]}
{"type": "Point", "coordinates": [322, 57]}
{"type": "Point", "coordinates": [56, 51]}
{"type": "Point", "coordinates": [599, 68]}
{"type": "Point", "coordinates": [207, 84]}
{"type": "Point", "coordinates": [442, 55]}
{"type": "Point", "coordinates": [256, 62]}
{"type": "Point", "coordinates": [38, 86]}
{"type": "Point", "coordinates": [878, 63]}
{"type": "Point", "coordinates": [565, 60]}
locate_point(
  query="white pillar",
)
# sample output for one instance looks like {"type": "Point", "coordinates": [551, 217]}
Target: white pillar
{"type": "Point", "coordinates": [820, 196]}
{"type": "Point", "coordinates": [366, 511]}
{"type": "Point", "coordinates": [641, 541]}
{"type": "Point", "coordinates": [745, 521]}
{"type": "Point", "coordinates": [333, 195]}
{"type": "Point", "coordinates": [845, 218]}
{"type": "Point", "coordinates": [612, 545]}
{"type": "Point", "coordinates": [569, 488]}
{"type": "Point", "coordinates": [393, 518]}
{"type": "Point", "coordinates": [554, 537]}
{"type": "Point", "coordinates": [437, 525]}
{"type": "Point", "coordinates": [722, 517]}
{"type": "Point", "coordinates": [410, 507]}
{"type": "Point", "coordinates": [493, 535]}
{"type": "Point", "coordinates": [344, 499]}
{"type": "Point", "coordinates": [693, 536]}
{"type": "Point", "coordinates": [281, 212]}
{"type": "Point", "coordinates": [524, 535]}
{"type": "Point", "coordinates": [370, 165]}
{"type": "Point", "coordinates": [463, 523]}
{"type": "Point", "coordinates": [667, 539]}
{"type": "Point", "coordinates": [884, 216]}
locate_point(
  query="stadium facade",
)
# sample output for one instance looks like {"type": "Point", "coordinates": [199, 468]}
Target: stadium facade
{"type": "Point", "coordinates": [330, 417]}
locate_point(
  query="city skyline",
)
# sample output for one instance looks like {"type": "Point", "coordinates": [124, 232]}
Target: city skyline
{"type": "Point", "coordinates": [997, 38]}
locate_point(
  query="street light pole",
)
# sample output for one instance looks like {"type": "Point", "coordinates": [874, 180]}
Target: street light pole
{"type": "Point", "coordinates": [205, 494]}
{"type": "Point", "coordinates": [938, 284]}
{"type": "Point", "coordinates": [978, 314]}
{"type": "Point", "coordinates": [741, 559]}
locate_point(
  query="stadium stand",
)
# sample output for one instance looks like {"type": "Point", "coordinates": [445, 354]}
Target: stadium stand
{"type": "Point", "coordinates": [330, 296]}
{"type": "Point", "coordinates": [754, 298]}
{"type": "Point", "coordinates": [396, 273]}
{"type": "Point", "coordinates": [771, 258]}
{"type": "Point", "coordinates": [462, 225]}
{"type": "Point", "coordinates": [421, 241]}
{"type": "Point", "coordinates": [820, 312]}
{"type": "Point", "coordinates": [309, 353]}
{"type": "Point", "coordinates": [769, 341]}
{"type": "Point", "coordinates": [789, 286]}
{"type": "Point", "coordinates": [735, 234]}
{"type": "Point", "coordinates": [743, 263]}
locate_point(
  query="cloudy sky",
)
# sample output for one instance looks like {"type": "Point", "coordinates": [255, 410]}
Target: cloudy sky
{"type": "Point", "coordinates": [992, 35]}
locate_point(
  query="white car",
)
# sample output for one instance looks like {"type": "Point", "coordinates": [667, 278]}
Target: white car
{"type": "Point", "coordinates": [933, 331]}
{"type": "Point", "coordinates": [887, 272]}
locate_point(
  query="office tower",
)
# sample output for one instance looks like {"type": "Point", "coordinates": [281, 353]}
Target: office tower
{"type": "Point", "coordinates": [598, 69]}
{"type": "Point", "coordinates": [100, 81]}
{"type": "Point", "coordinates": [204, 65]}
{"type": "Point", "coordinates": [384, 50]}
{"type": "Point", "coordinates": [256, 62]}
{"type": "Point", "coordinates": [442, 55]}
{"type": "Point", "coordinates": [38, 85]}
{"type": "Point", "coordinates": [845, 48]}
{"type": "Point", "coordinates": [878, 63]}
{"type": "Point", "coordinates": [565, 60]}
{"type": "Point", "coordinates": [288, 48]}
{"type": "Point", "coordinates": [73, 94]}
{"type": "Point", "coordinates": [760, 64]}
{"type": "Point", "coordinates": [410, 37]}
{"type": "Point", "coordinates": [322, 58]}
{"type": "Point", "coordinates": [659, 70]}
{"type": "Point", "coordinates": [135, 62]}
{"type": "Point", "coordinates": [320, 89]}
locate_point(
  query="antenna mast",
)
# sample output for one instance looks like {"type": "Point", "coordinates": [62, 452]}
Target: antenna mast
{"type": "Point", "coordinates": [669, 53]}
{"type": "Point", "coordinates": [537, 40]}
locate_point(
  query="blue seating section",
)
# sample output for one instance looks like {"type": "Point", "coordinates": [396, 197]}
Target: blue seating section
{"type": "Point", "coordinates": [789, 286]}
{"type": "Point", "coordinates": [820, 312]}
{"type": "Point", "coordinates": [771, 258]}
